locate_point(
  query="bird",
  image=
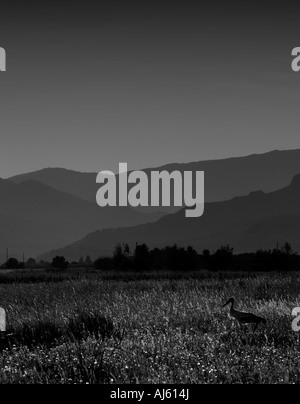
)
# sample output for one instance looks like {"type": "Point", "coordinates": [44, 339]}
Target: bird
{"type": "Point", "coordinates": [243, 317]}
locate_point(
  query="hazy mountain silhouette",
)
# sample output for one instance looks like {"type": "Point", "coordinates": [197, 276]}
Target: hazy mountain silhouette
{"type": "Point", "coordinates": [81, 185]}
{"type": "Point", "coordinates": [224, 179]}
{"type": "Point", "coordinates": [258, 220]}
{"type": "Point", "coordinates": [20, 236]}
{"type": "Point", "coordinates": [35, 216]}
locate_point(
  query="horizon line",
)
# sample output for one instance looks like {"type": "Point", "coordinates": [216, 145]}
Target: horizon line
{"type": "Point", "coordinates": [156, 167]}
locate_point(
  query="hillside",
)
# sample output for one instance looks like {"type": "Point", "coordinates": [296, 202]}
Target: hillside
{"type": "Point", "coordinates": [258, 220]}
{"type": "Point", "coordinates": [224, 179]}
{"type": "Point", "coordinates": [37, 217]}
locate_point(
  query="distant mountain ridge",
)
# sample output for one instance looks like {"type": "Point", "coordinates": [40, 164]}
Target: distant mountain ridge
{"type": "Point", "coordinates": [37, 216]}
{"type": "Point", "coordinates": [81, 185]}
{"type": "Point", "coordinates": [224, 178]}
{"type": "Point", "coordinates": [258, 220]}
{"type": "Point", "coordinates": [62, 205]}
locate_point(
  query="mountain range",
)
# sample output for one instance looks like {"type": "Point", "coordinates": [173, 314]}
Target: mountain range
{"type": "Point", "coordinates": [54, 207]}
{"type": "Point", "coordinates": [248, 223]}
{"type": "Point", "coordinates": [35, 217]}
{"type": "Point", "coordinates": [224, 178]}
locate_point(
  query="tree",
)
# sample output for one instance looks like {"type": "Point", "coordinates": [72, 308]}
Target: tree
{"type": "Point", "coordinates": [287, 249]}
{"type": "Point", "coordinates": [12, 263]}
{"type": "Point", "coordinates": [206, 253]}
{"type": "Point", "coordinates": [31, 263]}
{"type": "Point", "coordinates": [88, 261]}
{"type": "Point", "coordinates": [222, 259]}
{"type": "Point", "coordinates": [121, 260]}
{"type": "Point", "coordinates": [118, 256]}
{"type": "Point", "coordinates": [141, 257]}
{"type": "Point", "coordinates": [126, 250]}
{"type": "Point", "coordinates": [59, 263]}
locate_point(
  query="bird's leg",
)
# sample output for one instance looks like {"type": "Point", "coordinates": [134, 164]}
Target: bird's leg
{"type": "Point", "coordinates": [242, 327]}
{"type": "Point", "coordinates": [239, 324]}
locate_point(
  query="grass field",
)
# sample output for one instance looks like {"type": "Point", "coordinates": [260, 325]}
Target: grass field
{"type": "Point", "coordinates": [147, 328]}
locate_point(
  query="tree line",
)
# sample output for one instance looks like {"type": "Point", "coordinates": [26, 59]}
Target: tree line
{"type": "Point", "coordinates": [179, 259]}
{"type": "Point", "coordinates": [176, 258]}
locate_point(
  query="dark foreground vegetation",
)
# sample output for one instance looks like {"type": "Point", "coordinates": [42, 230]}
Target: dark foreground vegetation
{"type": "Point", "coordinates": [91, 326]}
{"type": "Point", "coordinates": [151, 316]}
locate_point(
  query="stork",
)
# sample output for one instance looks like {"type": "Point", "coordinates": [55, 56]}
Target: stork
{"type": "Point", "coordinates": [243, 317]}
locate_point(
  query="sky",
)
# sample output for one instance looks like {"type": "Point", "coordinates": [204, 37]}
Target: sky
{"type": "Point", "coordinates": [92, 84]}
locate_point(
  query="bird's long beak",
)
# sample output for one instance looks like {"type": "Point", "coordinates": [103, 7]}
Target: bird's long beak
{"type": "Point", "coordinates": [225, 305]}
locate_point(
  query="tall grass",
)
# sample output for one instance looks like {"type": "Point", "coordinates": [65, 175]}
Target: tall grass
{"type": "Point", "coordinates": [149, 328]}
